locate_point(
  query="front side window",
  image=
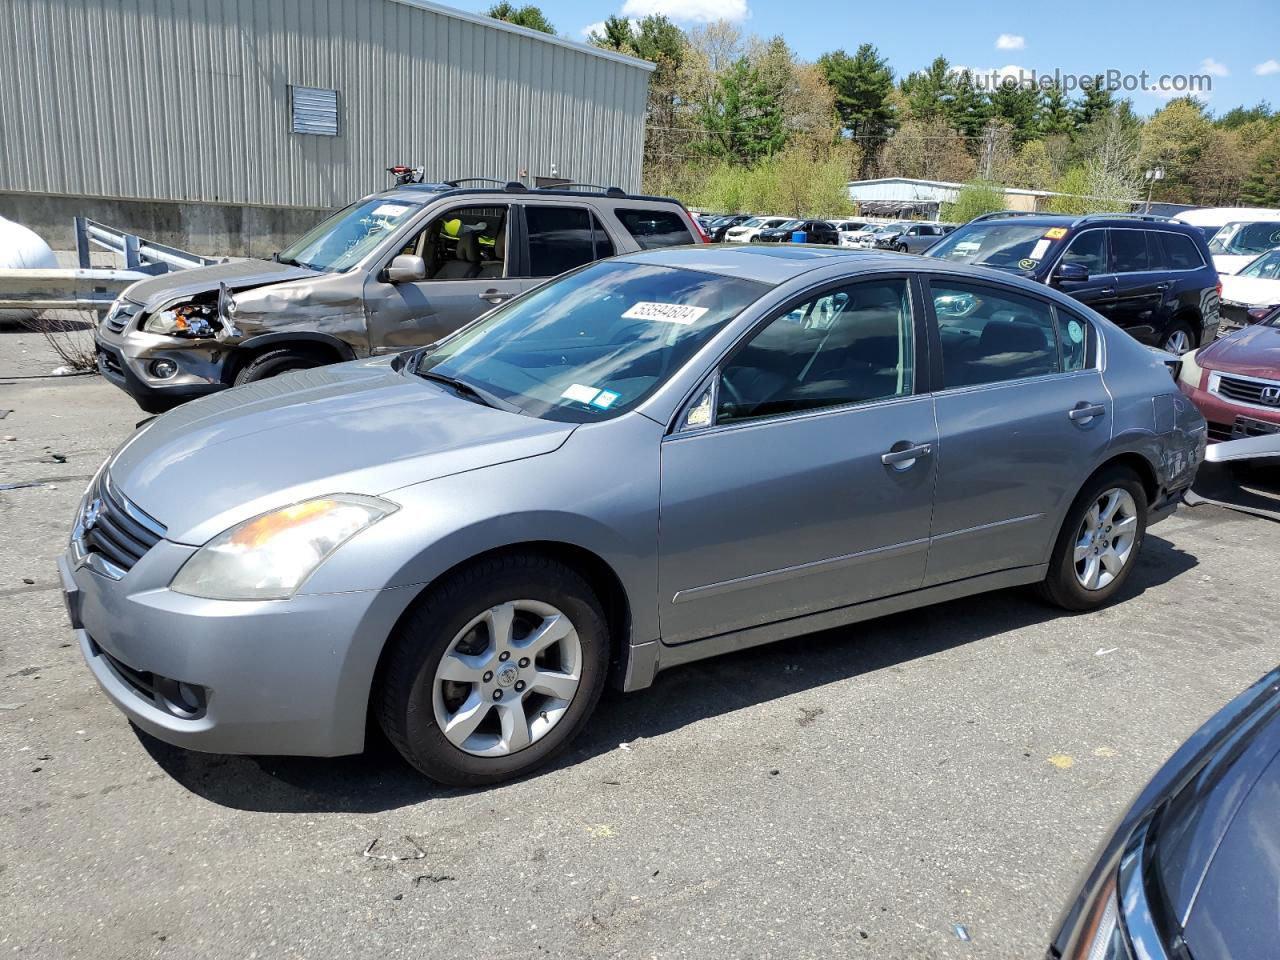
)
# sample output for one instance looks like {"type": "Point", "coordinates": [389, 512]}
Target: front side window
{"type": "Point", "coordinates": [592, 344]}
{"type": "Point", "coordinates": [351, 234]}
{"type": "Point", "coordinates": [1088, 250]}
{"type": "Point", "coordinates": [1129, 251]}
{"type": "Point", "coordinates": [465, 243]}
{"type": "Point", "coordinates": [990, 336]}
{"type": "Point", "coordinates": [1180, 252]}
{"type": "Point", "coordinates": [1238, 239]}
{"type": "Point", "coordinates": [1266, 267]}
{"type": "Point", "coordinates": [850, 345]}
{"type": "Point", "coordinates": [655, 228]}
{"type": "Point", "coordinates": [560, 238]}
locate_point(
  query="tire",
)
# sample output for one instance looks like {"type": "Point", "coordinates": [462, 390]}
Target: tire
{"type": "Point", "coordinates": [279, 360]}
{"type": "Point", "coordinates": [1179, 330]}
{"type": "Point", "coordinates": [901, 248]}
{"type": "Point", "coordinates": [1062, 585]}
{"type": "Point", "coordinates": [452, 618]}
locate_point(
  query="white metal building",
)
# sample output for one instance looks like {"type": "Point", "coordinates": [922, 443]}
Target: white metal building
{"type": "Point", "coordinates": [902, 196]}
{"type": "Point", "coordinates": [294, 104]}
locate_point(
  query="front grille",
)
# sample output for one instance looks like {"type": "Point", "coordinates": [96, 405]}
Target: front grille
{"type": "Point", "coordinates": [122, 311]}
{"type": "Point", "coordinates": [1246, 391]}
{"type": "Point", "coordinates": [115, 529]}
{"type": "Point", "coordinates": [1249, 427]}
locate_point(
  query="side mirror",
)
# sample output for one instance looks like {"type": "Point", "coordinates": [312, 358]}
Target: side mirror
{"type": "Point", "coordinates": [1070, 273]}
{"type": "Point", "coordinates": [406, 269]}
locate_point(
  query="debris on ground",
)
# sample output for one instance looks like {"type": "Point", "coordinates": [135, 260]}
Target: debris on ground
{"type": "Point", "coordinates": [58, 457]}
{"type": "Point", "coordinates": [418, 853]}
{"type": "Point", "coordinates": [4, 413]}
{"type": "Point", "coordinates": [27, 580]}
{"type": "Point", "coordinates": [961, 931]}
{"type": "Point", "coordinates": [432, 878]}
{"type": "Point", "coordinates": [19, 486]}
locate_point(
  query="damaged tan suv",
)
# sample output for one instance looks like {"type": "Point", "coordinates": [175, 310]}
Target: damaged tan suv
{"type": "Point", "coordinates": [395, 270]}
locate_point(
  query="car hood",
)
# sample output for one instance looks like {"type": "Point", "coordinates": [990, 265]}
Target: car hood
{"type": "Point", "coordinates": [1229, 263]}
{"type": "Point", "coordinates": [1254, 291]}
{"type": "Point", "coordinates": [1252, 352]}
{"type": "Point", "coordinates": [358, 427]}
{"type": "Point", "coordinates": [155, 292]}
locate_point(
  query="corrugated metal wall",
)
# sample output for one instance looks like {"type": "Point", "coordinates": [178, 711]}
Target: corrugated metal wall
{"type": "Point", "coordinates": [188, 100]}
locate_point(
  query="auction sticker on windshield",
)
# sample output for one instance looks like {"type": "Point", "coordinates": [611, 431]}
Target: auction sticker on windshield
{"type": "Point", "coordinates": [389, 210]}
{"type": "Point", "coordinates": [666, 312]}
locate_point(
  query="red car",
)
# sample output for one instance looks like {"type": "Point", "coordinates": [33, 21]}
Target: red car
{"type": "Point", "coordinates": [1235, 381]}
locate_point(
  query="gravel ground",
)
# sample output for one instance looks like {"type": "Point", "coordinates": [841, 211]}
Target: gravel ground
{"type": "Point", "coordinates": [854, 793]}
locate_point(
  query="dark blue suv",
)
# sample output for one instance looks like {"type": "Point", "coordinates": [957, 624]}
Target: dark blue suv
{"type": "Point", "coordinates": [1150, 275]}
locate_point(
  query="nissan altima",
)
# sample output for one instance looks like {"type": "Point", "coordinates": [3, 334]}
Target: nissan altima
{"type": "Point", "coordinates": [653, 459]}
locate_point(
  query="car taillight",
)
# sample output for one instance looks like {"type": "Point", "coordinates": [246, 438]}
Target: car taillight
{"type": "Point", "coordinates": [1219, 289]}
{"type": "Point", "coordinates": [697, 227]}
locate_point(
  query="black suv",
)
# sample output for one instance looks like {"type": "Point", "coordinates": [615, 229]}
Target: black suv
{"type": "Point", "coordinates": [1150, 275]}
{"type": "Point", "coordinates": [815, 231]}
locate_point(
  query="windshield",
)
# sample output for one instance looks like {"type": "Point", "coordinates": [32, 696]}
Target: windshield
{"type": "Point", "coordinates": [1246, 238]}
{"type": "Point", "coordinates": [891, 228]}
{"type": "Point", "coordinates": [1017, 247]}
{"type": "Point", "coordinates": [789, 225]}
{"type": "Point", "coordinates": [595, 342]}
{"type": "Point", "coordinates": [343, 240]}
{"type": "Point", "coordinates": [1266, 267]}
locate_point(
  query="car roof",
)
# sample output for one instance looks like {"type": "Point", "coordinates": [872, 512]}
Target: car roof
{"type": "Point", "coordinates": [1091, 219]}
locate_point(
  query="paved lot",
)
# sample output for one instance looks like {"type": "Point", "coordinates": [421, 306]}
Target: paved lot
{"type": "Point", "coordinates": [856, 793]}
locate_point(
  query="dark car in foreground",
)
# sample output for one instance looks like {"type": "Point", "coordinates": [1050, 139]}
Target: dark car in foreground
{"type": "Point", "coordinates": [656, 458]}
{"type": "Point", "coordinates": [394, 270]}
{"type": "Point", "coordinates": [1192, 872]}
{"type": "Point", "coordinates": [1149, 275]}
{"type": "Point", "coordinates": [815, 231]}
{"type": "Point", "coordinates": [1235, 381]}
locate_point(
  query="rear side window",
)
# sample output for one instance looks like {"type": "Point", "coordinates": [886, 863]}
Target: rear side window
{"type": "Point", "coordinates": [1077, 338]}
{"type": "Point", "coordinates": [1180, 252]}
{"type": "Point", "coordinates": [655, 228]}
{"type": "Point", "coordinates": [1088, 250]}
{"type": "Point", "coordinates": [560, 238]}
{"type": "Point", "coordinates": [989, 336]}
{"type": "Point", "coordinates": [1129, 251]}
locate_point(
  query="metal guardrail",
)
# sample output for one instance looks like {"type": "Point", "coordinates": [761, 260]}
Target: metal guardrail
{"type": "Point", "coordinates": [63, 289]}
{"type": "Point", "coordinates": [137, 252]}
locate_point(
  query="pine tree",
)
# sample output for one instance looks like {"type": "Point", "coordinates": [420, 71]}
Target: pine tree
{"type": "Point", "coordinates": [1262, 186]}
{"type": "Point", "coordinates": [863, 87]}
{"type": "Point", "coordinates": [1055, 116]}
{"type": "Point", "coordinates": [1096, 102]}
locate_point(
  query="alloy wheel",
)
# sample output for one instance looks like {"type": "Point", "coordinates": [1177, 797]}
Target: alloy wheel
{"type": "Point", "coordinates": [1105, 541]}
{"type": "Point", "coordinates": [1179, 342]}
{"type": "Point", "coordinates": [507, 678]}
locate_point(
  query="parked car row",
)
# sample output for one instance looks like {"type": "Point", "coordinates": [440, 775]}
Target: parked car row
{"type": "Point", "coordinates": [912, 237]}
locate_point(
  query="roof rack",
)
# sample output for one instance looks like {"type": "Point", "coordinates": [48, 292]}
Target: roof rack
{"type": "Point", "coordinates": [607, 191]}
{"type": "Point", "coordinates": [461, 180]}
{"type": "Point", "coordinates": [997, 214]}
{"type": "Point", "coordinates": [1149, 217]}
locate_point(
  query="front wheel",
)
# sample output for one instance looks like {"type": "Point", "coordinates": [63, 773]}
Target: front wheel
{"type": "Point", "coordinates": [1099, 542]}
{"type": "Point", "coordinates": [1180, 338]}
{"type": "Point", "coordinates": [271, 363]}
{"type": "Point", "coordinates": [495, 670]}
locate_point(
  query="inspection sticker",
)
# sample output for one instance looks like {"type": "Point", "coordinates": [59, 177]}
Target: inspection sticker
{"type": "Point", "coordinates": [1040, 249]}
{"type": "Point", "coordinates": [389, 210]}
{"type": "Point", "coordinates": [580, 393]}
{"type": "Point", "coordinates": [1075, 331]}
{"type": "Point", "coordinates": [668, 312]}
{"type": "Point", "coordinates": [1056, 233]}
{"type": "Point", "coordinates": [604, 399]}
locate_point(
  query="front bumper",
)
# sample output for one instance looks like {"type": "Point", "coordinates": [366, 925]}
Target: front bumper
{"type": "Point", "coordinates": [1229, 420]}
{"type": "Point", "coordinates": [125, 359]}
{"type": "Point", "coordinates": [275, 677]}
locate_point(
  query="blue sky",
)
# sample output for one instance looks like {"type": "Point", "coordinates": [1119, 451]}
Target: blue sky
{"type": "Point", "coordinates": [1235, 42]}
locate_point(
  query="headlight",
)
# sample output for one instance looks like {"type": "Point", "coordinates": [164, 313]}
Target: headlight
{"type": "Point", "coordinates": [194, 320]}
{"type": "Point", "coordinates": [1189, 371]}
{"type": "Point", "coordinates": [269, 557]}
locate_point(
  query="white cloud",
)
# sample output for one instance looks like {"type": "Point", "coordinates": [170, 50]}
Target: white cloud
{"type": "Point", "coordinates": [1010, 41]}
{"type": "Point", "coordinates": [1213, 67]}
{"type": "Point", "coordinates": [590, 28]}
{"type": "Point", "coordinates": [1267, 68]}
{"type": "Point", "coordinates": [702, 11]}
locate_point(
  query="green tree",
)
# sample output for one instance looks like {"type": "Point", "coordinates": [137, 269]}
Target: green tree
{"type": "Point", "coordinates": [1174, 139]}
{"type": "Point", "coordinates": [863, 88]}
{"type": "Point", "coordinates": [1018, 105]}
{"type": "Point", "coordinates": [1054, 117]}
{"type": "Point", "coordinates": [1239, 116]}
{"type": "Point", "coordinates": [931, 92]}
{"type": "Point", "coordinates": [744, 117]}
{"type": "Point", "coordinates": [1073, 188]}
{"type": "Point", "coordinates": [1095, 102]}
{"type": "Point", "coordinates": [977, 197]}
{"type": "Point", "coordinates": [1262, 186]}
{"type": "Point", "coordinates": [616, 35]}
{"type": "Point", "coordinates": [526, 16]}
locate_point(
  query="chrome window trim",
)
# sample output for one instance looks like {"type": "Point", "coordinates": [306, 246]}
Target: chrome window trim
{"type": "Point", "coordinates": [975, 387]}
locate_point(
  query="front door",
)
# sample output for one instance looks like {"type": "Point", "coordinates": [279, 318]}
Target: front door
{"type": "Point", "coordinates": [1023, 418]}
{"type": "Point", "coordinates": [466, 252]}
{"type": "Point", "coordinates": [807, 482]}
{"type": "Point", "coordinates": [1088, 249]}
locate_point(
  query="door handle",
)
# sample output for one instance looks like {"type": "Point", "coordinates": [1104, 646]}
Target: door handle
{"type": "Point", "coordinates": [1107, 291]}
{"type": "Point", "coordinates": [1084, 412]}
{"type": "Point", "coordinates": [1162, 287]}
{"type": "Point", "coordinates": [901, 457]}
{"type": "Point", "coordinates": [495, 296]}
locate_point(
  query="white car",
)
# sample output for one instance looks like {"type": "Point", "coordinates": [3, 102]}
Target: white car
{"type": "Point", "coordinates": [864, 237]}
{"type": "Point", "coordinates": [1238, 244]}
{"type": "Point", "coordinates": [1252, 295]}
{"type": "Point", "coordinates": [847, 228]}
{"type": "Point", "coordinates": [744, 232]}
{"type": "Point", "coordinates": [1210, 220]}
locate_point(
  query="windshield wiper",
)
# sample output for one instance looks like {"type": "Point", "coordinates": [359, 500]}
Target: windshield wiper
{"type": "Point", "coordinates": [467, 390]}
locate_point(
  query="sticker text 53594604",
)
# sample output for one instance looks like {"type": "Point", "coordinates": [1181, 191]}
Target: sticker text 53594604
{"type": "Point", "coordinates": [665, 312]}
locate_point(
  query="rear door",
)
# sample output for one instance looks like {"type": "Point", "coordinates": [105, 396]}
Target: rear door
{"type": "Point", "coordinates": [811, 487]}
{"type": "Point", "coordinates": [1023, 418]}
{"type": "Point", "coordinates": [1140, 286]}
{"type": "Point", "coordinates": [561, 237]}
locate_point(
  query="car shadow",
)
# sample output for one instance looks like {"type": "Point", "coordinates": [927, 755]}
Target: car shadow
{"type": "Point", "coordinates": [379, 780]}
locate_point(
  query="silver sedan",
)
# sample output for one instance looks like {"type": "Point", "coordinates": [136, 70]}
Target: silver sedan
{"type": "Point", "coordinates": [653, 459]}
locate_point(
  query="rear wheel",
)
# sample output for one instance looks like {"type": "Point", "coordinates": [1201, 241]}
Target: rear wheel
{"type": "Point", "coordinates": [270, 363]}
{"type": "Point", "coordinates": [1179, 338]}
{"type": "Point", "coordinates": [495, 670]}
{"type": "Point", "coordinates": [1099, 542]}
